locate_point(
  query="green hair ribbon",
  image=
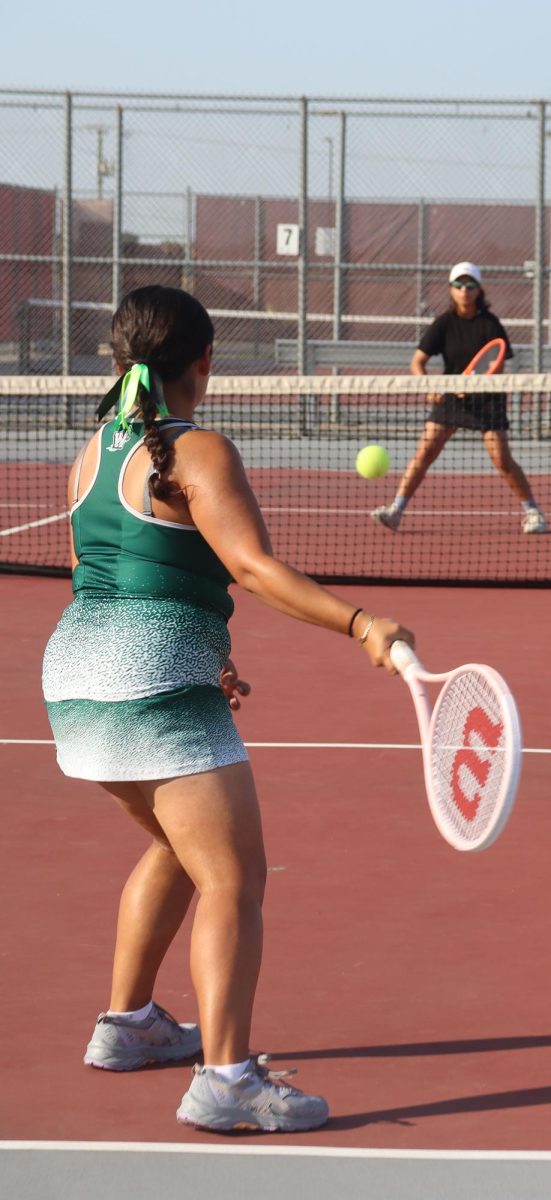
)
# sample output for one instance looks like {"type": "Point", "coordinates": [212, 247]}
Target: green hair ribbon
{"type": "Point", "coordinates": [126, 391]}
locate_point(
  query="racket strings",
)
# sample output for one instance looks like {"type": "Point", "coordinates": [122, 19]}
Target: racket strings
{"type": "Point", "coordinates": [469, 765]}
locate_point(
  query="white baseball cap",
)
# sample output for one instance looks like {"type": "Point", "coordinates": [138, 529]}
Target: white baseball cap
{"type": "Point", "coordinates": [465, 268]}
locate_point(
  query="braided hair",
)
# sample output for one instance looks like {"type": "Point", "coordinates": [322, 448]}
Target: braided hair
{"type": "Point", "coordinates": [168, 329]}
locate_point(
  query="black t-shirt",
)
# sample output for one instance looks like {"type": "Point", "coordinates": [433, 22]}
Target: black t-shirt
{"type": "Point", "coordinates": [458, 339]}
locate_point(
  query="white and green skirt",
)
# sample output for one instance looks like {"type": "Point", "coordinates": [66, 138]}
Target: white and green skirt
{"type": "Point", "coordinates": [132, 690]}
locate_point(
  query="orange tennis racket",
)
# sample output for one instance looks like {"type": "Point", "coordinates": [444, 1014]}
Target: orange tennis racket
{"type": "Point", "coordinates": [489, 359]}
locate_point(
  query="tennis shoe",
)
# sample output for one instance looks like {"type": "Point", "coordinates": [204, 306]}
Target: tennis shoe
{"type": "Point", "coordinates": [390, 517]}
{"type": "Point", "coordinates": [258, 1100]}
{"type": "Point", "coordinates": [534, 522]}
{"type": "Point", "coordinates": [119, 1045]}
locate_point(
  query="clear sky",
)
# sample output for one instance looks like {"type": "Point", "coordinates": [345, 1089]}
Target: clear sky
{"type": "Point", "coordinates": [433, 48]}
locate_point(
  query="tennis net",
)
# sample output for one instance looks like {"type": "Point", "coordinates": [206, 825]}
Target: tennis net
{"type": "Point", "coordinates": [299, 438]}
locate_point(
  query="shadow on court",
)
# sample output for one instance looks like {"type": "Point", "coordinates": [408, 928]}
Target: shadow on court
{"type": "Point", "coordinates": [409, 1114]}
{"type": "Point", "coordinates": [421, 1049]}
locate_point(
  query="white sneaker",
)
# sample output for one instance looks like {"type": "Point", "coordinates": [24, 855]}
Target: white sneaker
{"type": "Point", "coordinates": [390, 517]}
{"type": "Point", "coordinates": [258, 1100]}
{"type": "Point", "coordinates": [534, 522]}
{"type": "Point", "coordinates": [119, 1045]}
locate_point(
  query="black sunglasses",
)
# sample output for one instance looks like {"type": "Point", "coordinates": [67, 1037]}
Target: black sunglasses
{"type": "Point", "coordinates": [469, 284]}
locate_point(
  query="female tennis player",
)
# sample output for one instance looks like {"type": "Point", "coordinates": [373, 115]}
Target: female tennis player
{"type": "Point", "coordinates": [139, 688]}
{"type": "Point", "coordinates": [457, 335]}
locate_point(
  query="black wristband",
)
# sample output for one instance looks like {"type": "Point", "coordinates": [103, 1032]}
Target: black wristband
{"type": "Point", "coordinates": [352, 619]}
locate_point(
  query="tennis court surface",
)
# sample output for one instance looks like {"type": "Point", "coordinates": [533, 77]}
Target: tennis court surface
{"type": "Point", "coordinates": [408, 983]}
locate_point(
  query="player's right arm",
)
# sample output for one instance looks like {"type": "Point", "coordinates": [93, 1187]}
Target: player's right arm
{"type": "Point", "coordinates": [418, 367]}
{"type": "Point", "coordinates": [70, 502]}
{"type": "Point", "coordinates": [224, 509]}
{"type": "Point", "coordinates": [418, 364]}
{"type": "Point", "coordinates": [80, 470]}
{"type": "Point", "coordinates": [431, 344]}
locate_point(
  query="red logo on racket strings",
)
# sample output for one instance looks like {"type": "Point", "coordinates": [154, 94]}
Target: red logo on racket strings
{"type": "Point", "coordinates": [477, 722]}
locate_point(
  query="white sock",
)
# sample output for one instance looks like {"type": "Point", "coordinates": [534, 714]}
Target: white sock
{"type": "Point", "coordinates": [399, 503]}
{"type": "Point", "coordinates": [138, 1014]}
{"type": "Point", "coordinates": [528, 505]}
{"type": "Point", "coordinates": [231, 1072]}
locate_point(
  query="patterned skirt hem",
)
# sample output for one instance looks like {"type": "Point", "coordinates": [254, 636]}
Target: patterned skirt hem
{"type": "Point", "coordinates": [185, 732]}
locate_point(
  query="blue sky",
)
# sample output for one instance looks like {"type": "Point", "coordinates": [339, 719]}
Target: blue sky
{"type": "Point", "coordinates": [477, 48]}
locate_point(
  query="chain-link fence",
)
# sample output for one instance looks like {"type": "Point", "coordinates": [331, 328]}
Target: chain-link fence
{"type": "Point", "coordinates": [319, 233]}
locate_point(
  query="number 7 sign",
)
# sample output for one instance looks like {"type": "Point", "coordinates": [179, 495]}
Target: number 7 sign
{"type": "Point", "coordinates": [288, 239]}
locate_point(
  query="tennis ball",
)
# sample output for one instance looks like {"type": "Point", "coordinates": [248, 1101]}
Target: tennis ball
{"type": "Point", "coordinates": [372, 462]}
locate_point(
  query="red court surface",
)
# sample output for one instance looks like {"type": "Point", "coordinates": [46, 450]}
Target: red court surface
{"type": "Point", "coordinates": [408, 983]}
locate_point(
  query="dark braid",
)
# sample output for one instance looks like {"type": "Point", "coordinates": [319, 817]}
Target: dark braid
{"type": "Point", "coordinates": [169, 330]}
{"type": "Point", "coordinates": [162, 455]}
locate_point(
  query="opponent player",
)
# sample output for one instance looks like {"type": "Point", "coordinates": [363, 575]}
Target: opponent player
{"type": "Point", "coordinates": [137, 682]}
{"type": "Point", "coordinates": [457, 335]}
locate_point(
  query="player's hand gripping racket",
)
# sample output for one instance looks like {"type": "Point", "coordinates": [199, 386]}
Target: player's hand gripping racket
{"type": "Point", "coordinates": [471, 745]}
{"type": "Point", "coordinates": [489, 359]}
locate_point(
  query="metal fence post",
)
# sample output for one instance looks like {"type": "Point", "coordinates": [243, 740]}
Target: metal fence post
{"type": "Point", "coordinates": [187, 269]}
{"type": "Point", "coordinates": [303, 243]}
{"type": "Point", "coordinates": [117, 209]}
{"type": "Point", "coordinates": [421, 255]}
{"type": "Point", "coordinates": [539, 244]}
{"type": "Point", "coordinates": [339, 230]}
{"type": "Point", "coordinates": [66, 287]}
{"type": "Point", "coordinates": [258, 251]}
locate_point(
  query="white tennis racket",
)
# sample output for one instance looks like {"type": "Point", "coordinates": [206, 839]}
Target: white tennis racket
{"type": "Point", "coordinates": [471, 743]}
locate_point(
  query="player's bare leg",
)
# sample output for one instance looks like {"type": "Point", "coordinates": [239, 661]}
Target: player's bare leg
{"type": "Point", "coordinates": [497, 445]}
{"type": "Point", "coordinates": [153, 905]}
{"type": "Point", "coordinates": [213, 823]}
{"type": "Point", "coordinates": [136, 1030]}
{"type": "Point", "coordinates": [431, 443]}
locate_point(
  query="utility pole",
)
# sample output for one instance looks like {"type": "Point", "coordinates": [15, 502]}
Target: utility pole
{"type": "Point", "coordinates": [104, 167]}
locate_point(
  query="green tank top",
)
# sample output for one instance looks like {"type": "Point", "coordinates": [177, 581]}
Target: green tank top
{"type": "Point", "coordinates": [126, 553]}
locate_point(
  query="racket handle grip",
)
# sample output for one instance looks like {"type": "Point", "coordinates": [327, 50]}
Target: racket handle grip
{"type": "Point", "coordinates": [403, 656]}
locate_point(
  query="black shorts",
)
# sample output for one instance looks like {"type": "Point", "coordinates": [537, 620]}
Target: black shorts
{"type": "Point", "coordinates": [471, 412]}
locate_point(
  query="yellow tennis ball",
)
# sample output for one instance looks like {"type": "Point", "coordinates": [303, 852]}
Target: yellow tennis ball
{"type": "Point", "coordinates": [372, 462]}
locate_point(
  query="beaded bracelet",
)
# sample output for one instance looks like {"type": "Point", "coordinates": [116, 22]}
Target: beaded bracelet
{"type": "Point", "coordinates": [364, 636]}
{"type": "Point", "coordinates": [352, 619]}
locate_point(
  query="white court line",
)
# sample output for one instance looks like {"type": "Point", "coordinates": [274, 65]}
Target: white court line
{"type": "Point", "coordinates": [33, 524]}
{"type": "Point", "coordinates": [290, 745]}
{"type": "Point", "coordinates": [271, 508]}
{"type": "Point", "coordinates": [418, 512]}
{"type": "Point", "coordinates": [298, 1151]}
